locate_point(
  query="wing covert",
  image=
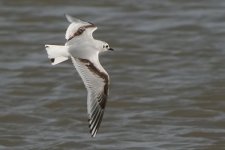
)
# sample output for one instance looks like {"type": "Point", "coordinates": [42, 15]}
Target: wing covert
{"type": "Point", "coordinates": [96, 81]}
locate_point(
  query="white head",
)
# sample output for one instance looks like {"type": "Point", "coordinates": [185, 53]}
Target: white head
{"type": "Point", "coordinates": [103, 46]}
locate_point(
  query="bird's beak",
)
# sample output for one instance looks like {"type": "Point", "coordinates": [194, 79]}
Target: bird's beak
{"type": "Point", "coordinates": [111, 49]}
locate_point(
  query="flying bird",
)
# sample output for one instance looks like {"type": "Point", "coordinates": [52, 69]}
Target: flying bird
{"type": "Point", "coordinates": [84, 51]}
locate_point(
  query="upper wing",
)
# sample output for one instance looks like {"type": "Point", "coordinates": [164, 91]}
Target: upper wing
{"type": "Point", "coordinates": [96, 81]}
{"type": "Point", "coordinates": [78, 28]}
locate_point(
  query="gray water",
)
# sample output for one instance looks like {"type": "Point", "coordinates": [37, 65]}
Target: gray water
{"type": "Point", "coordinates": [167, 76]}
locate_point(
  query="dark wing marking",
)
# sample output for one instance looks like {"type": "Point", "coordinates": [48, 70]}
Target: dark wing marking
{"type": "Point", "coordinates": [96, 81]}
{"type": "Point", "coordinates": [81, 30]}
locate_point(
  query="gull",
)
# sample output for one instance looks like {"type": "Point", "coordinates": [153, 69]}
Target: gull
{"type": "Point", "coordinates": [84, 51]}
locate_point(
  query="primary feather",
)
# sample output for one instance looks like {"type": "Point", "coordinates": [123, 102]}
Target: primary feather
{"type": "Point", "coordinates": [96, 82]}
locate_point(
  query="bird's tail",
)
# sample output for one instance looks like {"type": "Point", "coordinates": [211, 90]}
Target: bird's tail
{"type": "Point", "coordinates": [57, 53]}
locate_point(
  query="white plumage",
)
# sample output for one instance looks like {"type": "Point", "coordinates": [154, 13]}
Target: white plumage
{"type": "Point", "coordinates": [84, 51]}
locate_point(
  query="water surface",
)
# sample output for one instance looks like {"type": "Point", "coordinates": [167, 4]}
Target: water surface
{"type": "Point", "coordinates": [167, 76]}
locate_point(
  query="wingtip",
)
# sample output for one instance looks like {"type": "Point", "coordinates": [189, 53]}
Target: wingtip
{"type": "Point", "coordinates": [93, 133]}
{"type": "Point", "coordinates": [72, 19]}
{"type": "Point", "coordinates": [91, 130]}
{"type": "Point", "coordinates": [68, 17]}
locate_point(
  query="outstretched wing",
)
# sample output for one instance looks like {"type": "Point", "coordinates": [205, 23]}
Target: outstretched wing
{"type": "Point", "coordinates": [96, 81]}
{"type": "Point", "coordinates": [78, 28]}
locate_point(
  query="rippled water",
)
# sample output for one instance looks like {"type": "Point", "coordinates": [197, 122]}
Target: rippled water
{"type": "Point", "coordinates": [167, 76]}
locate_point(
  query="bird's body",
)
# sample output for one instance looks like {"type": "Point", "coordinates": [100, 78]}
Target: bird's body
{"type": "Point", "coordinates": [84, 51]}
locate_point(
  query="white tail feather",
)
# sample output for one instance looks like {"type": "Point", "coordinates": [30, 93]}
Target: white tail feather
{"type": "Point", "coordinates": [57, 53]}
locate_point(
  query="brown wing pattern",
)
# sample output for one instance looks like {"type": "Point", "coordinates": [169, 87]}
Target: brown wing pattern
{"type": "Point", "coordinates": [96, 82]}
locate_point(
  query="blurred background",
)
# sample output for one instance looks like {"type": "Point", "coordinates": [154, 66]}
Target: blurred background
{"type": "Point", "coordinates": [167, 76]}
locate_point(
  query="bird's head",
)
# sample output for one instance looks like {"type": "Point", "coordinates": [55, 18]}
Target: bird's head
{"type": "Point", "coordinates": [103, 46]}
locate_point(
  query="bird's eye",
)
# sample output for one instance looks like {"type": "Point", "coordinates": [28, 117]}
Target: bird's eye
{"type": "Point", "coordinates": [107, 46]}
